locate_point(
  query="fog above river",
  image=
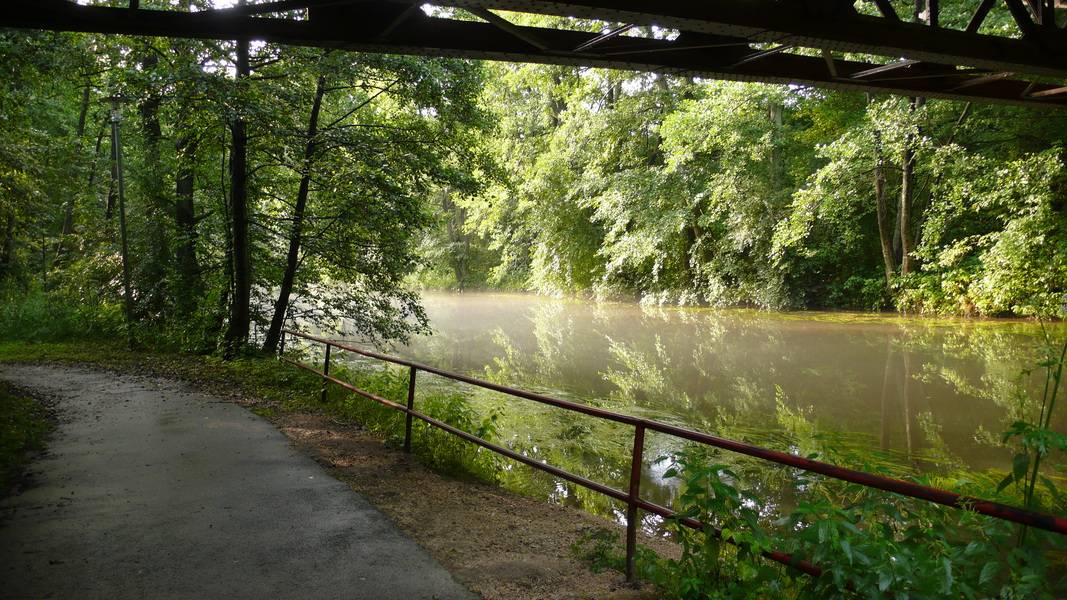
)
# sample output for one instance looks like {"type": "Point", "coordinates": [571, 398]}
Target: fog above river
{"type": "Point", "coordinates": [901, 381]}
{"type": "Point", "coordinates": [908, 394]}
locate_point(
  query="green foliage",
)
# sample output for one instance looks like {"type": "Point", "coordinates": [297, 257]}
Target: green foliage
{"type": "Point", "coordinates": [36, 315]}
{"type": "Point", "coordinates": [599, 548]}
{"type": "Point", "coordinates": [722, 560]}
{"type": "Point", "coordinates": [392, 131]}
{"type": "Point", "coordinates": [438, 448]}
{"type": "Point", "coordinates": [697, 192]}
{"type": "Point", "coordinates": [868, 544]}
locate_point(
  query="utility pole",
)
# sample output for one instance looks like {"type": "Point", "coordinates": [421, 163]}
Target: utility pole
{"type": "Point", "coordinates": [119, 181]}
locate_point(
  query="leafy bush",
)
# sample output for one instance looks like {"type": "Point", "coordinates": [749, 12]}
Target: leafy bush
{"type": "Point", "coordinates": [36, 315]}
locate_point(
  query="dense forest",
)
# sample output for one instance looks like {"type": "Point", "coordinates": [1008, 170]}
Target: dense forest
{"type": "Point", "coordinates": [210, 192]}
{"type": "Point", "coordinates": [674, 190]}
{"type": "Point", "coordinates": [681, 191]}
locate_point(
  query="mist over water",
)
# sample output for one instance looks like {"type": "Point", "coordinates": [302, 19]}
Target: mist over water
{"type": "Point", "coordinates": [914, 394]}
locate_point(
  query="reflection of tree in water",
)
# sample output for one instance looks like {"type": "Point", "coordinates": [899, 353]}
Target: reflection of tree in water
{"type": "Point", "coordinates": [641, 378]}
{"type": "Point", "coordinates": [894, 394]}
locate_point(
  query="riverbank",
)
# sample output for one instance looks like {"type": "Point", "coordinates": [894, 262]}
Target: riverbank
{"type": "Point", "coordinates": [498, 544]}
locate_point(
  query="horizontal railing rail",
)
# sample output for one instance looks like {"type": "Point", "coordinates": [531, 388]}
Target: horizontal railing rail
{"type": "Point", "coordinates": [632, 497]}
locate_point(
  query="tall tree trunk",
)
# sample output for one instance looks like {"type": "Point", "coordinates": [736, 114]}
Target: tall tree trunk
{"type": "Point", "coordinates": [885, 233]}
{"type": "Point", "coordinates": [96, 159]}
{"type": "Point", "coordinates": [185, 218]}
{"type": "Point", "coordinates": [68, 210]}
{"type": "Point", "coordinates": [7, 250]}
{"type": "Point", "coordinates": [112, 190]}
{"type": "Point", "coordinates": [186, 147]}
{"type": "Point", "coordinates": [156, 268]}
{"type": "Point", "coordinates": [211, 336]}
{"type": "Point", "coordinates": [118, 184]}
{"type": "Point", "coordinates": [292, 259]}
{"type": "Point", "coordinates": [907, 191]}
{"type": "Point", "coordinates": [240, 307]}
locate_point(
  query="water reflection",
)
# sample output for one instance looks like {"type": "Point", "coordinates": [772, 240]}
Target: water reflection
{"type": "Point", "coordinates": [908, 395]}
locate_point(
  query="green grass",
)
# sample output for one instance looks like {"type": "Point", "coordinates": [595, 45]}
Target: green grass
{"type": "Point", "coordinates": [23, 426]}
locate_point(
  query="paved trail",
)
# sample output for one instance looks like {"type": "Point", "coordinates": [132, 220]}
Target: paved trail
{"type": "Point", "coordinates": [153, 490]}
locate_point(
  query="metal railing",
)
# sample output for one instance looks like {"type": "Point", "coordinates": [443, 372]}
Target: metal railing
{"type": "Point", "coordinates": [632, 497]}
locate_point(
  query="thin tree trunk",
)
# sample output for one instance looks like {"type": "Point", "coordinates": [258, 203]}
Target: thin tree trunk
{"type": "Point", "coordinates": [240, 308]}
{"type": "Point", "coordinates": [155, 271]}
{"type": "Point", "coordinates": [112, 190]}
{"type": "Point", "coordinates": [185, 218]}
{"type": "Point", "coordinates": [292, 259]}
{"type": "Point", "coordinates": [907, 191]}
{"type": "Point", "coordinates": [885, 234]}
{"type": "Point", "coordinates": [7, 251]}
{"type": "Point", "coordinates": [119, 185]}
{"type": "Point", "coordinates": [212, 335]}
{"type": "Point", "coordinates": [96, 158]}
{"type": "Point", "coordinates": [186, 148]}
{"type": "Point", "coordinates": [68, 211]}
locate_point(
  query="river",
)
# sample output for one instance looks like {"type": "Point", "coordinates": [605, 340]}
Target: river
{"type": "Point", "coordinates": [904, 394]}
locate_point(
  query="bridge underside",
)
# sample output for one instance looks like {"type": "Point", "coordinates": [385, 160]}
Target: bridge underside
{"type": "Point", "coordinates": [836, 44]}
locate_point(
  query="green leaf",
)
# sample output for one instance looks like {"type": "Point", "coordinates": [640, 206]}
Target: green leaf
{"type": "Point", "coordinates": [989, 571]}
{"type": "Point", "coordinates": [847, 549]}
{"type": "Point", "coordinates": [946, 583]}
{"type": "Point", "coordinates": [1005, 482]}
{"type": "Point", "coordinates": [1051, 487]}
{"type": "Point", "coordinates": [884, 579]}
{"type": "Point", "coordinates": [1019, 465]}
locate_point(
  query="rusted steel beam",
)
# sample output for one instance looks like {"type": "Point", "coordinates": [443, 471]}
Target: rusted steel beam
{"type": "Point", "coordinates": [829, 24]}
{"type": "Point", "coordinates": [360, 26]}
{"type": "Point", "coordinates": [412, 371]}
{"type": "Point", "coordinates": [636, 462]}
{"type": "Point", "coordinates": [1022, 17]}
{"type": "Point", "coordinates": [979, 16]}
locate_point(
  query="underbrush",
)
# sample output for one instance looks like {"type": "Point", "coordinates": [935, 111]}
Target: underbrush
{"type": "Point", "coordinates": [33, 314]}
{"type": "Point", "coordinates": [440, 449]}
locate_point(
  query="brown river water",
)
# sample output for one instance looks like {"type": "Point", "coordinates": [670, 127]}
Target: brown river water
{"type": "Point", "coordinates": [911, 395]}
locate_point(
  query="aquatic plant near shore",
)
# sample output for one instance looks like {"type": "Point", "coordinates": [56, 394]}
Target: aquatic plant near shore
{"type": "Point", "coordinates": [1036, 440]}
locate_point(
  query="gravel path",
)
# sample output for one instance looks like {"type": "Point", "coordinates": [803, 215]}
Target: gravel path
{"type": "Point", "coordinates": [153, 490]}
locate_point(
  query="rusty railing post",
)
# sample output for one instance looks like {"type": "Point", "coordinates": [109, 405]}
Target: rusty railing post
{"type": "Point", "coordinates": [325, 372]}
{"type": "Point", "coordinates": [411, 406]}
{"type": "Point", "coordinates": [631, 509]}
